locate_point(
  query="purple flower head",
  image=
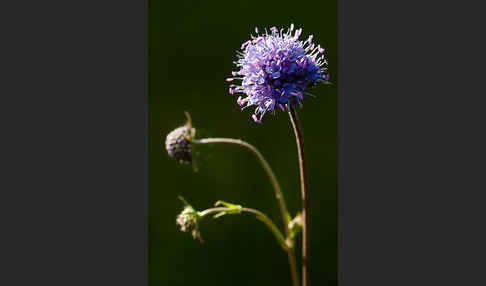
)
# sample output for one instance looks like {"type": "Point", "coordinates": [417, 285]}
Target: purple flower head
{"type": "Point", "coordinates": [275, 69]}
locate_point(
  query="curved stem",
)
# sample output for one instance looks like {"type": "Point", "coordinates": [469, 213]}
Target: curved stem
{"type": "Point", "coordinates": [259, 215]}
{"type": "Point", "coordinates": [278, 194]}
{"type": "Point", "coordinates": [305, 196]}
{"type": "Point", "coordinates": [266, 166]}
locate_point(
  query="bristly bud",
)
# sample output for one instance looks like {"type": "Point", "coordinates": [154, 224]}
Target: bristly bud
{"type": "Point", "coordinates": [188, 220]}
{"type": "Point", "coordinates": [178, 142]}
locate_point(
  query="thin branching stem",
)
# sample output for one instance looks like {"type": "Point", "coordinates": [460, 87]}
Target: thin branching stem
{"type": "Point", "coordinates": [278, 194]}
{"type": "Point", "coordinates": [259, 215]}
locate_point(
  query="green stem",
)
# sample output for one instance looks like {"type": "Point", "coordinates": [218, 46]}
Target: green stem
{"type": "Point", "coordinates": [278, 194]}
{"type": "Point", "coordinates": [259, 215]}
{"type": "Point", "coordinates": [304, 194]}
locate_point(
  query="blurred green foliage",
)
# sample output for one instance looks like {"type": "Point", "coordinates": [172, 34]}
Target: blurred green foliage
{"type": "Point", "coordinates": [192, 47]}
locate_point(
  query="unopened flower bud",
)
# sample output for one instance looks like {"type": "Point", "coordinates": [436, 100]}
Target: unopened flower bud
{"type": "Point", "coordinates": [188, 220]}
{"type": "Point", "coordinates": [178, 142]}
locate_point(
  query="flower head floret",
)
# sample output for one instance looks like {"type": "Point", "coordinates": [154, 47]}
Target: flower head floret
{"type": "Point", "coordinates": [275, 69]}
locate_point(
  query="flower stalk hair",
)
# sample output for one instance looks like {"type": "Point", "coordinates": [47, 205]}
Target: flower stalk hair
{"type": "Point", "coordinates": [275, 70]}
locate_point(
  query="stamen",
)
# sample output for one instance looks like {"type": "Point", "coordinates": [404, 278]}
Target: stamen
{"type": "Point", "coordinates": [242, 101]}
{"type": "Point", "coordinates": [298, 32]}
{"type": "Point", "coordinates": [244, 44]}
{"type": "Point", "coordinates": [255, 118]}
{"type": "Point", "coordinates": [310, 39]}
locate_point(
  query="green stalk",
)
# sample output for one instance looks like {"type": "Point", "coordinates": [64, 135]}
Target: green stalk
{"type": "Point", "coordinates": [304, 194]}
{"type": "Point", "coordinates": [259, 215]}
{"type": "Point", "coordinates": [278, 195]}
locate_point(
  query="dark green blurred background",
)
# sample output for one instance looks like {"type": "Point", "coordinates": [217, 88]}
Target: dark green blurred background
{"type": "Point", "coordinates": [192, 47]}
